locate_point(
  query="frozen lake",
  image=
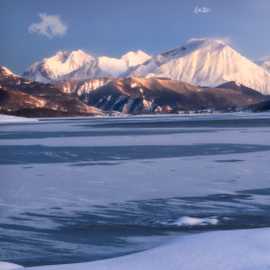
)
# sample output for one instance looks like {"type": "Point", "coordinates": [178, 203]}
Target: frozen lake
{"type": "Point", "coordinates": [82, 189]}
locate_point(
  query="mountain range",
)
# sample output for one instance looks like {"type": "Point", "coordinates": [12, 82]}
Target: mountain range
{"type": "Point", "coordinates": [204, 62]}
{"type": "Point", "coordinates": [136, 95]}
{"type": "Point", "coordinates": [131, 95]}
{"type": "Point", "coordinates": [79, 65]}
{"type": "Point", "coordinates": [201, 75]}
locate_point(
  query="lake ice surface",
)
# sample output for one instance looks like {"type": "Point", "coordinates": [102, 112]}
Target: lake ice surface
{"type": "Point", "coordinates": [84, 189]}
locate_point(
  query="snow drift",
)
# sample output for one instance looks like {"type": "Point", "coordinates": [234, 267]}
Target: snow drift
{"type": "Point", "coordinates": [223, 250]}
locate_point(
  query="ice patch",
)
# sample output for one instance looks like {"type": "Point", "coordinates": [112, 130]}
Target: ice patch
{"type": "Point", "coordinates": [195, 221]}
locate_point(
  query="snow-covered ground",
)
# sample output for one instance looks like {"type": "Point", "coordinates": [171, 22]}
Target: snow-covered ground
{"type": "Point", "coordinates": [9, 266]}
{"type": "Point", "coordinates": [11, 119]}
{"type": "Point", "coordinates": [222, 250]}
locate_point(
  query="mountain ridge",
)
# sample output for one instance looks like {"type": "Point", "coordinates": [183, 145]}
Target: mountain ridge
{"type": "Point", "coordinates": [78, 65]}
{"type": "Point", "coordinates": [135, 95]}
{"type": "Point", "coordinates": [207, 62]}
{"type": "Point", "coordinates": [264, 63]}
{"type": "Point", "coordinates": [131, 95]}
{"type": "Point", "coordinates": [19, 96]}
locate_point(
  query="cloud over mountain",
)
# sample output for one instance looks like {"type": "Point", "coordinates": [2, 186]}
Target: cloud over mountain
{"type": "Point", "coordinates": [49, 26]}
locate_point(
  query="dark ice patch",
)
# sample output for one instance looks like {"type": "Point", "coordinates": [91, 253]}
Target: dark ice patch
{"type": "Point", "coordinates": [41, 154]}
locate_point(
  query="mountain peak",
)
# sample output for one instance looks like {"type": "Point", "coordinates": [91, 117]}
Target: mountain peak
{"type": "Point", "coordinates": [76, 56]}
{"type": "Point", "coordinates": [59, 65]}
{"type": "Point", "coordinates": [134, 58]}
{"type": "Point", "coordinates": [209, 44]}
{"type": "Point", "coordinates": [206, 62]}
{"type": "Point", "coordinates": [5, 72]}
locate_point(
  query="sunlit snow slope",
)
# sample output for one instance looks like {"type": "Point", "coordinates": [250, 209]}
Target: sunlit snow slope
{"type": "Point", "coordinates": [79, 65]}
{"type": "Point", "coordinates": [206, 62]}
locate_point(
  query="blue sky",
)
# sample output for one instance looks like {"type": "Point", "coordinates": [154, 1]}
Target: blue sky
{"type": "Point", "coordinates": [112, 27]}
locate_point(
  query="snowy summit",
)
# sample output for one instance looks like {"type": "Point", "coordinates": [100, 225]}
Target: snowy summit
{"type": "Point", "coordinates": [78, 65]}
{"type": "Point", "coordinates": [206, 62]}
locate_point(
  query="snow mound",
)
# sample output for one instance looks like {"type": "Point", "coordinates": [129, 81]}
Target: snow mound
{"type": "Point", "coordinates": [221, 250]}
{"type": "Point", "coordinates": [195, 221]}
{"type": "Point", "coordinates": [9, 266]}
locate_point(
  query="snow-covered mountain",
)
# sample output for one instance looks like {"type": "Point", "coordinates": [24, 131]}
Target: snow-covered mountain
{"type": "Point", "coordinates": [79, 65]}
{"type": "Point", "coordinates": [59, 65]}
{"type": "Point", "coordinates": [205, 62]}
{"type": "Point", "coordinates": [265, 63]}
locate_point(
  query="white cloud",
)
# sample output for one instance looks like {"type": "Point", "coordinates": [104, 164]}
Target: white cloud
{"type": "Point", "coordinates": [49, 26]}
{"type": "Point", "coordinates": [201, 10]}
